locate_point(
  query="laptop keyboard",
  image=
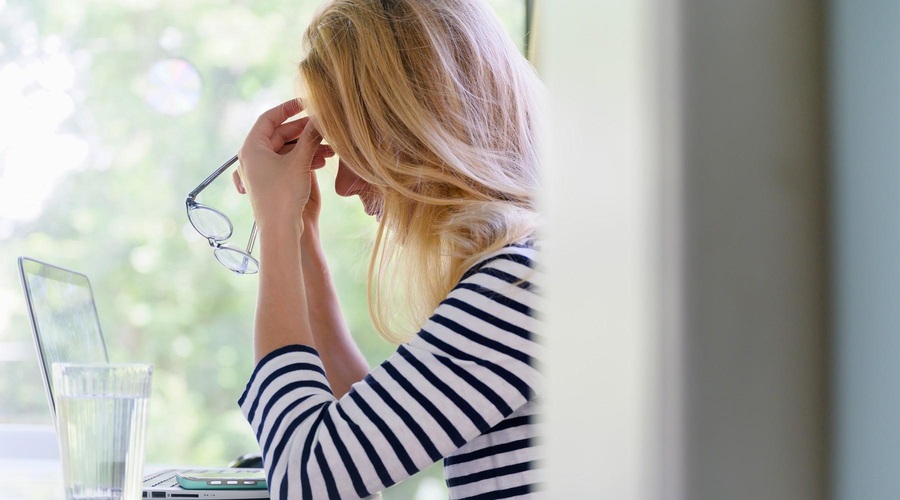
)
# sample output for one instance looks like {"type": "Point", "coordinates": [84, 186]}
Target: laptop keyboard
{"type": "Point", "coordinates": [166, 478]}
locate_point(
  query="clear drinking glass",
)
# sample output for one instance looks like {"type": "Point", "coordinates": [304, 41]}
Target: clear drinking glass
{"type": "Point", "coordinates": [101, 422]}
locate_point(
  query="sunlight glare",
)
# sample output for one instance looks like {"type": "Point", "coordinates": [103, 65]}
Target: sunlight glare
{"type": "Point", "coordinates": [56, 73]}
{"type": "Point", "coordinates": [31, 170]}
{"type": "Point", "coordinates": [174, 87]}
{"type": "Point", "coordinates": [34, 156]}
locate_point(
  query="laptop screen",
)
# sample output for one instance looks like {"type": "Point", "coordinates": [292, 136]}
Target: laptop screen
{"type": "Point", "coordinates": [63, 318]}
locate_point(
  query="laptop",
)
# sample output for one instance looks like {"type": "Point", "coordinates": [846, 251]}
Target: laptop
{"type": "Point", "coordinates": [66, 328]}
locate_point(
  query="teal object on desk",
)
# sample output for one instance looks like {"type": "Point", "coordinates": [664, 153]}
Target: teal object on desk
{"type": "Point", "coordinates": [243, 480]}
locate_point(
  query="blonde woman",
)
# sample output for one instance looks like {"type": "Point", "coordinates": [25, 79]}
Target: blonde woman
{"type": "Point", "coordinates": [433, 113]}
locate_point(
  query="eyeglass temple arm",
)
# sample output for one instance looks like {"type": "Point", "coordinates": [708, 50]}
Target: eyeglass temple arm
{"type": "Point", "coordinates": [193, 194]}
{"type": "Point", "coordinates": [253, 231]}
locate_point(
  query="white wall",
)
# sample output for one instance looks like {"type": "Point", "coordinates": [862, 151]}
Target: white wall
{"type": "Point", "coordinates": [688, 320]}
{"type": "Point", "coordinates": [602, 250]}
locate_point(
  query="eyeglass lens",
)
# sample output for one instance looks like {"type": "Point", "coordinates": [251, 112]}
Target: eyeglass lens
{"type": "Point", "coordinates": [236, 260]}
{"type": "Point", "coordinates": [210, 223]}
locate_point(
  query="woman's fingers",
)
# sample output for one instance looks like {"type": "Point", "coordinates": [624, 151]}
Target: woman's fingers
{"type": "Point", "coordinates": [280, 132]}
{"type": "Point", "coordinates": [307, 145]}
{"type": "Point", "coordinates": [288, 146]}
{"type": "Point", "coordinates": [322, 150]}
{"type": "Point", "coordinates": [238, 184]}
{"type": "Point", "coordinates": [269, 121]}
{"type": "Point", "coordinates": [288, 131]}
{"type": "Point", "coordinates": [310, 136]}
{"type": "Point", "coordinates": [318, 160]}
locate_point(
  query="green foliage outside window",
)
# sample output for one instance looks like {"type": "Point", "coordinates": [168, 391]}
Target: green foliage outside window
{"type": "Point", "coordinates": [111, 111]}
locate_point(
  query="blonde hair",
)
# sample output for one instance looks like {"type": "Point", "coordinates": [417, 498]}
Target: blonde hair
{"type": "Point", "coordinates": [431, 103]}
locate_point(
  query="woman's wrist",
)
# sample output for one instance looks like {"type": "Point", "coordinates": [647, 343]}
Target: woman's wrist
{"type": "Point", "coordinates": [273, 231]}
{"type": "Point", "coordinates": [282, 225]}
{"type": "Point", "coordinates": [312, 254]}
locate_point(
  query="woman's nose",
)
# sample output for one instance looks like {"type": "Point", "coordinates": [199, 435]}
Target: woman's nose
{"type": "Point", "coordinates": [346, 183]}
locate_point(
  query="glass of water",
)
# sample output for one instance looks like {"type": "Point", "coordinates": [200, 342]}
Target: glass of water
{"type": "Point", "coordinates": [101, 422]}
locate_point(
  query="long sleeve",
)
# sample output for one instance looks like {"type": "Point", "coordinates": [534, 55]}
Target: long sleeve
{"type": "Point", "coordinates": [473, 364]}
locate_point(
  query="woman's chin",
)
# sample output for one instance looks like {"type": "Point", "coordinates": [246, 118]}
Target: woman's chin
{"type": "Point", "coordinates": [373, 212]}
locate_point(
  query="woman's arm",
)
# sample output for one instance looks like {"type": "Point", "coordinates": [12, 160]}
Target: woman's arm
{"type": "Point", "coordinates": [344, 363]}
{"type": "Point", "coordinates": [282, 317]}
{"type": "Point", "coordinates": [297, 301]}
{"type": "Point", "coordinates": [474, 363]}
{"type": "Point", "coordinates": [278, 183]}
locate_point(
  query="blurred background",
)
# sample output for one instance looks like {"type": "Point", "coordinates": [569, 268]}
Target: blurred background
{"type": "Point", "coordinates": [722, 230]}
{"type": "Point", "coordinates": [111, 111]}
{"type": "Point", "coordinates": [723, 243]}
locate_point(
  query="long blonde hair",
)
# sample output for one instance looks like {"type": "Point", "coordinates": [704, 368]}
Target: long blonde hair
{"type": "Point", "coordinates": [431, 103]}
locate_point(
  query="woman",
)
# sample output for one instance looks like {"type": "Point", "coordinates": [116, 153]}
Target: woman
{"type": "Point", "coordinates": [433, 114]}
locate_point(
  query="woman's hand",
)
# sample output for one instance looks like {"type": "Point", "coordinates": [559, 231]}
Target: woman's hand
{"type": "Point", "coordinates": [313, 208]}
{"type": "Point", "coordinates": [313, 205]}
{"type": "Point", "coordinates": [276, 176]}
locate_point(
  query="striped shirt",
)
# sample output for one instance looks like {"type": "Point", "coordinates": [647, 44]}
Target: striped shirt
{"type": "Point", "coordinates": [463, 389]}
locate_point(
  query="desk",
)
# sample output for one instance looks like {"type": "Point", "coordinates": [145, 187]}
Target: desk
{"type": "Point", "coordinates": [30, 468]}
{"type": "Point", "coordinates": [35, 479]}
{"type": "Point", "coordinates": [40, 479]}
{"type": "Point", "coordinates": [31, 479]}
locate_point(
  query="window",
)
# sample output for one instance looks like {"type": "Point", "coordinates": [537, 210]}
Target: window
{"type": "Point", "coordinates": [113, 110]}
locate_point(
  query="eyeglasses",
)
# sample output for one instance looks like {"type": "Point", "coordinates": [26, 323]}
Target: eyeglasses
{"type": "Point", "coordinates": [216, 227]}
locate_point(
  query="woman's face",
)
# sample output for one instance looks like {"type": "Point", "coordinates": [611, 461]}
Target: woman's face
{"type": "Point", "coordinates": [347, 183]}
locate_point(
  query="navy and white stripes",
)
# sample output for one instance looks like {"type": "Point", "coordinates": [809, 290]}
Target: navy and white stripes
{"type": "Point", "coordinates": [463, 389]}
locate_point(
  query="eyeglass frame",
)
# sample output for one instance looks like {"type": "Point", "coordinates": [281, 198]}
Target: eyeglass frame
{"type": "Point", "coordinates": [190, 203]}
